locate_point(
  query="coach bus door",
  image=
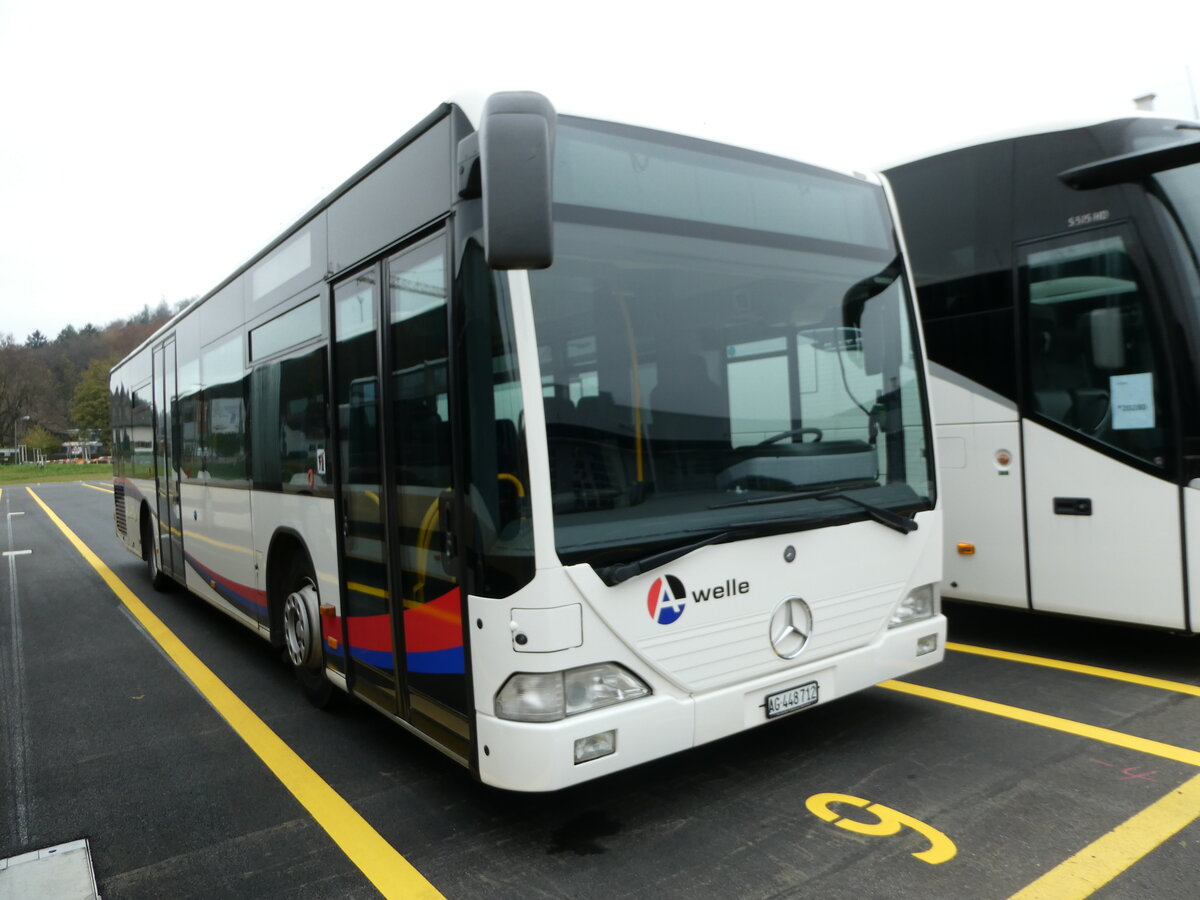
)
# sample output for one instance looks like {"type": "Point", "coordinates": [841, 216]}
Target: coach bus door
{"type": "Point", "coordinates": [403, 619]}
{"type": "Point", "coordinates": [1102, 512]}
{"type": "Point", "coordinates": [166, 462]}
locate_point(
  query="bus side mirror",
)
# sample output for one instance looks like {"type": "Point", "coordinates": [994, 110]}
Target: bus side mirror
{"type": "Point", "coordinates": [508, 162]}
{"type": "Point", "coordinates": [868, 318]}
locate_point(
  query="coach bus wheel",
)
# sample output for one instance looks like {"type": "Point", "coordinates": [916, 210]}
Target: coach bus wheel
{"type": "Point", "coordinates": [302, 635]}
{"type": "Point", "coordinates": [158, 580]}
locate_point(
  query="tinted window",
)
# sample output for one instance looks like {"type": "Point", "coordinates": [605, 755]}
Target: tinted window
{"type": "Point", "coordinates": [1093, 352]}
{"type": "Point", "coordinates": [957, 214]}
{"type": "Point", "coordinates": [290, 424]}
{"type": "Point", "coordinates": [294, 327]}
{"type": "Point", "coordinates": [502, 554]}
{"type": "Point", "coordinates": [224, 416]}
{"type": "Point", "coordinates": [141, 434]}
{"type": "Point", "coordinates": [613, 168]}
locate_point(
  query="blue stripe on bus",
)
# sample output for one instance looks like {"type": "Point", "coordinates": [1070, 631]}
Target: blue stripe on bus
{"type": "Point", "coordinates": [434, 662]}
{"type": "Point", "coordinates": [380, 659]}
{"type": "Point", "coordinates": [438, 662]}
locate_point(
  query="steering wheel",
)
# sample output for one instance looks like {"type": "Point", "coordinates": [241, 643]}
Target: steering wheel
{"type": "Point", "coordinates": [793, 432]}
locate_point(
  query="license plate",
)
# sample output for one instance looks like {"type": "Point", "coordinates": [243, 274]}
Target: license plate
{"type": "Point", "coordinates": [783, 702]}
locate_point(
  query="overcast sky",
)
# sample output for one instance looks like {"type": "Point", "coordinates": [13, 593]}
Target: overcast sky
{"type": "Point", "coordinates": [147, 151]}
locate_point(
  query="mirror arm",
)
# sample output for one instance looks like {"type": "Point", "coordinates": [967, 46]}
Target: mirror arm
{"type": "Point", "coordinates": [470, 181]}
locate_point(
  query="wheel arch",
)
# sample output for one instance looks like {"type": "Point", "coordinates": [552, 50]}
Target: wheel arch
{"type": "Point", "coordinates": [286, 545]}
{"type": "Point", "coordinates": [145, 529]}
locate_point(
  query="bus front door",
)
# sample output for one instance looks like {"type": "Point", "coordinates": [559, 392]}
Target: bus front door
{"type": "Point", "coordinates": [1102, 512]}
{"type": "Point", "coordinates": [404, 628]}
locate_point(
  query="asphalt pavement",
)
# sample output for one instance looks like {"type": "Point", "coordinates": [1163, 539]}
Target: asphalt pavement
{"type": "Point", "coordinates": [1047, 756]}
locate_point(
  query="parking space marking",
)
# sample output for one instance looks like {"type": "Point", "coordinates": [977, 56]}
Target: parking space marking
{"type": "Point", "coordinates": [391, 874]}
{"type": "Point", "coordinates": [1107, 857]}
{"type": "Point", "coordinates": [14, 721]}
{"type": "Point", "coordinates": [96, 487]}
{"type": "Point", "coordinates": [887, 822]}
{"type": "Point", "coordinates": [1080, 729]}
{"type": "Point", "coordinates": [1163, 684]}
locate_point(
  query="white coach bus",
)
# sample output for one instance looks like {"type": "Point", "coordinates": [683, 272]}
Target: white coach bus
{"type": "Point", "coordinates": [1059, 288]}
{"type": "Point", "coordinates": [563, 443]}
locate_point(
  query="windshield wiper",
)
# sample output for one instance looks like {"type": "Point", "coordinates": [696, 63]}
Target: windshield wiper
{"type": "Point", "coordinates": [878, 513]}
{"type": "Point", "coordinates": [618, 572]}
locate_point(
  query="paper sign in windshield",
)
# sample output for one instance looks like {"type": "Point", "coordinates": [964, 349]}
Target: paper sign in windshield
{"type": "Point", "coordinates": [1132, 401]}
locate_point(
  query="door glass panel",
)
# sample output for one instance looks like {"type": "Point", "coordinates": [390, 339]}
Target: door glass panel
{"type": "Point", "coordinates": [167, 461]}
{"type": "Point", "coordinates": [367, 613]}
{"type": "Point", "coordinates": [1094, 363]}
{"type": "Point", "coordinates": [421, 459]}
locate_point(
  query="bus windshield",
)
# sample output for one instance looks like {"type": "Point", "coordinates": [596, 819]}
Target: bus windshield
{"type": "Point", "coordinates": [1182, 188]}
{"type": "Point", "coordinates": [720, 328]}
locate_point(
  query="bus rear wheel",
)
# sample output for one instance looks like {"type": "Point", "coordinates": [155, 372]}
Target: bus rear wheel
{"type": "Point", "coordinates": [302, 634]}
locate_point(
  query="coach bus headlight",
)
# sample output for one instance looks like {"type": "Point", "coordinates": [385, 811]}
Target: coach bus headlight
{"type": "Point", "coordinates": [921, 603]}
{"type": "Point", "coordinates": [548, 696]}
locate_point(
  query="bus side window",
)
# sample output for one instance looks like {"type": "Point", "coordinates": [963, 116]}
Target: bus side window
{"type": "Point", "coordinates": [1093, 356]}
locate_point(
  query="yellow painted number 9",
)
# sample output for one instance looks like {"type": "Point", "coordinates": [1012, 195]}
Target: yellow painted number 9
{"type": "Point", "coordinates": [890, 822]}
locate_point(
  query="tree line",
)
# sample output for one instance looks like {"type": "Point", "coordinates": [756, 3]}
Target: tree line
{"type": "Point", "coordinates": [52, 389]}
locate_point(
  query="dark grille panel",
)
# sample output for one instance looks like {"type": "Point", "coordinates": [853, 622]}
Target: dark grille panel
{"type": "Point", "coordinates": [119, 508]}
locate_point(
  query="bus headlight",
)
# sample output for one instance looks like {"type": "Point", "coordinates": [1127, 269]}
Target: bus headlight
{"type": "Point", "coordinates": [549, 696]}
{"type": "Point", "coordinates": [921, 603]}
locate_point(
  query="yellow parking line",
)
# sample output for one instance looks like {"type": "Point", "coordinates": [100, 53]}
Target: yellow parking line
{"type": "Point", "coordinates": [1106, 735]}
{"type": "Point", "coordinates": [96, 488]}
{"type": "Point", "coordinates": [391, 873]}
{"type": "Point", "coordinates": [1180, 687]}
{"type": "Point", "coordinates": [1107, 857]}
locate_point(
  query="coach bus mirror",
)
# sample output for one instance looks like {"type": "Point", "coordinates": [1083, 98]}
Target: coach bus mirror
{"type": "Point", "coordinates": [869, 319]}
{"type": "Point", "coordinates": [857, 295]}
{"type": "Point", "coordinates": [1131, 166]}
{"type": "Point", "coordinates": [516, 154]}
{"type": "Point", "coordinates": [1108, 338]}
{"type": "Point", "coordinates": [871, 335]}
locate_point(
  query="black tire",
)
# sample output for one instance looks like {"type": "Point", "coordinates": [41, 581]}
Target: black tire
{"type": "Point", "coordinates": [302, 644]}
{"type": "Point", "coordinates": [158, 579]}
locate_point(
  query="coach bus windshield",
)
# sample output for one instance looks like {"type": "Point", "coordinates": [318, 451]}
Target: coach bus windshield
{"type": "Point", "coordinates": [720, 330]}
{"type": "Point", "coordinates": [1182, 188]}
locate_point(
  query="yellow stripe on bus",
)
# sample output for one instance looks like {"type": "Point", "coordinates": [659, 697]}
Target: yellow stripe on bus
{"type": "Point", "coordinates": [190, 535]}
{"type": "Point", "coordinates": [391, 874]}
{"type": "Point", "coordinates": [1108, 856]}
{"type": "Point", "coordinates": [359, 588]}
{"type": "Point", "coordinates": [1180, 687]}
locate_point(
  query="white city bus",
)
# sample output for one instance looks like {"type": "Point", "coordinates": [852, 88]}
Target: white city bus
{"type": "Point", "coordinates": [565, 444]}
{"type": "Point", "coordinates": [1058, 284]}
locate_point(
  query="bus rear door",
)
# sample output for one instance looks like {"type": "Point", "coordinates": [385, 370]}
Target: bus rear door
{"type": "Point", "coordinates": [166, 462]}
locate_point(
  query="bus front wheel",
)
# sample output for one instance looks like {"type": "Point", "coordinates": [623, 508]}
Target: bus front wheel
{"type": "Point", "coordinates": [302, 634]}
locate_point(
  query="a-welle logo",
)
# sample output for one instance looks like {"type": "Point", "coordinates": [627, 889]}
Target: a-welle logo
{"type": "Point", "coordinates": [667, 598]}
